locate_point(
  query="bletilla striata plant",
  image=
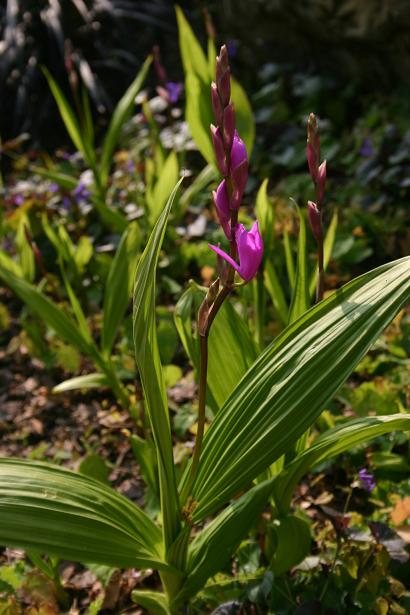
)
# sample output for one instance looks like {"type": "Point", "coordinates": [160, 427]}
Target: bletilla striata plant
{"type": "Point", "coordinates": [234, 471]}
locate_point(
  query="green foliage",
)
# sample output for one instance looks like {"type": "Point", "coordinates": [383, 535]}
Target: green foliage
{"type": "Point", "coordinates": [74, 517]}
{"type": "Point", "coordinates": [263, 416]}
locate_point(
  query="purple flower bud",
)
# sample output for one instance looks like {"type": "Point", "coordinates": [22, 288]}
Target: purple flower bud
{"type": "Point", "coordinates": [312, 161]}
{"type": "Point", "coordinates": [314, 220]}
{"type": "Point", "coordinates": [222, 61]}
{"type": "Point", "coordinates": [223, 76]}
{"type": "Point", "coordinates": [321, 182]}
{"type": "Point", "coordinates": [219, 150]}
{"type": "Point", "coordinates": [250, 251]}
{"type": "Point", "coordinates": [366, 479]}
{"type": "Point", "coordinates": [216, 105]}
{"type": "Point", "coordinates": [239, 170]}
{"type": "Point", "coordinates": [229, 125]}
{"type": "Point", "coordinates": [313, 146]}
{"type": "Point", "coordinates": [221, 201]}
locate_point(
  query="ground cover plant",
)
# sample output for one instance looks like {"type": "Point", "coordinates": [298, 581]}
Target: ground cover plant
{"type": "Point", "coordinates": [240, 395]}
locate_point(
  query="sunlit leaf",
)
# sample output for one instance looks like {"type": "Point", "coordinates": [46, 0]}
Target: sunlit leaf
{"type": "Point", "coordinates": [293, 379]}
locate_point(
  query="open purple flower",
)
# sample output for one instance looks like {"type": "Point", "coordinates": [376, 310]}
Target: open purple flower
{"type": "Point", "coordinates": [250, 251]}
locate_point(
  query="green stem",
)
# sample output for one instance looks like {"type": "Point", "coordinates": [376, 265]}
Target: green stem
{"type": "Point", "coordinates": [320, 275]}
{"type": "Point", "coordinates": [203, 372]}
{"type": "Point", "coordinates": [259, 308]}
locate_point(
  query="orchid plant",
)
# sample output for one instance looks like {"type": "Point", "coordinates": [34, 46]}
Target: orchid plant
{"type": "Point", "coordinates": [240, 462]}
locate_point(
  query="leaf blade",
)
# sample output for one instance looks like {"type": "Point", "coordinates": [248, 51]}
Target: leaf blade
{"type": "Point", "coordinates": [50, 509]}
{"type": "Point", "coordinates": [263, 416]}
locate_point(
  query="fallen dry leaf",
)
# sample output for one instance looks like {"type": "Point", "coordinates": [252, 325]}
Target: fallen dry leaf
{"type": "Point", "coordinates": [401, 511]}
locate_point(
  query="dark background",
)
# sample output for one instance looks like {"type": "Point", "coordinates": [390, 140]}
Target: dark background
{"type": "Point", "coordinates": [359, 48]}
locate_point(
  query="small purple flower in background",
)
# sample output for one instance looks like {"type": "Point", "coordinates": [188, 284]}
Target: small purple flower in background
{"type": "Point", "coordinates": [81, 192]}
{"type": "Point", "coordinates": [53, 187]}
{"type": "Point", "coordinates": [250, 251]}
{"type": "Point", "coordinates": [366, 479]}
{"type": "Point", "coordinates": [232, 47]}
{"type": "Point", "coordinates": [18, 199]}
{"type": "Point", "coordinates": [174, 91]}
{"type": "Point", "coordinates": [367, 149]}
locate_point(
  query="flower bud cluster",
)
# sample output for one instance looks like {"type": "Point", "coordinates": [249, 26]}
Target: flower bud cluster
{"type": "Point", "coordinates": [232, 160]}
{"type": "Point", "coordinates": [230, 151]}
{"type": "Point", "coordinates": [317, 172]}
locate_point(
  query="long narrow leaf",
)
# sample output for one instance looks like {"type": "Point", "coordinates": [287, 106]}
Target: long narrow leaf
{"type": "Point", "coordinates": [48, 509]}
{"type": "Point", "coordinates": [290, 383]}
{"type": "Point", "coordinates": [68, 116]}
{"type": "Point", "coordinates": [121, 114]}
{"type": "Point", "coordinates": [88, 381]}
{"type": "Point", "coordinates": [118, 289]}
{"type": "Point", "coordinates": [274, 288]}
{"type": "Point", "coordinates": [300, 295]}
{"type": "Point", "coordinates": [150, 369]}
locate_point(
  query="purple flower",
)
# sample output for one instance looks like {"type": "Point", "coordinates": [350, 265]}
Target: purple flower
{"type": "Point", "coordinates": [54, 187]}
{"type": "Point", "coordinates": [221, 201]}
{"type": "Point", "coordinates": [367, 149]}
{"type": "Point", "coordinates": [250, 251]}
{"type": "Point", "coordinates": [366, 479]}
{"type": "Point", "coordinates": [174, 91]}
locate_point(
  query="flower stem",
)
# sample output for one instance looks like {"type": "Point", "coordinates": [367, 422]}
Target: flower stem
{"type": "Point", "coordinates": [320, 275]}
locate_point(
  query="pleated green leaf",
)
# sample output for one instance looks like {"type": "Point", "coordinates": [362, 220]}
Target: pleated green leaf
{"type": "Point", "coordinates": [121, 114]}
{"type": "Point", "coordinates": [52, 510]}
{"type": "Point", "coordinates": [118, 289]}
{"type": "Point", "coordinates": [154, 602]}
{"type": "Point", "coordinates": [293, 379]}
{"type": "Point", "coordinates": [212, 548]}
{"type": "Point", "coordinates": [47, 310]}
{"type": "Point", "coordinates": [332, 443]}
{"type": "Point", "coordinates": [150, 369]}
